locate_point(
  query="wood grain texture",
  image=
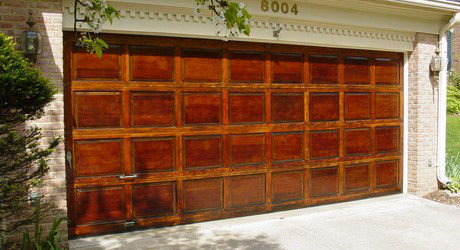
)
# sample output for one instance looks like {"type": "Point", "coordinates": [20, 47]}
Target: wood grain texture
{"type": "Point", "coordinates": [171, 131]}
{"type": "Point", "coordinates": [287, 68]}
{"type": "Point", "coordinates": [153, 154]}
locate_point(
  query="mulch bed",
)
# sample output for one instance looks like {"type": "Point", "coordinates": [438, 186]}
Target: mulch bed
{"type": "Point", "coordinates": [441, 197]}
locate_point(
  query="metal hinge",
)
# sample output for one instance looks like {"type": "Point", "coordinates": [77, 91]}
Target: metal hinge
{"type": "Point", "coordinates": [68, 158]}
{"type": "Point", "coordinates": [129, 224]}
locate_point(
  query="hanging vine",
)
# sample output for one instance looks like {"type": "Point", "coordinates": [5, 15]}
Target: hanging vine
{"type": "Point", "coordinates": [230, 18]}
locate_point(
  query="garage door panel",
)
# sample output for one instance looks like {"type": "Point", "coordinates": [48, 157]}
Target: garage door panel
{"type": "Point", "coordinates": [98, 157]}
{"type": "Point", "coordinates": [239, 113]}
{"type": "Point", "coordinates": [100, 205]}
{"type": "Point", "coordinates": [357, 141]}
{"type": "Point", "coordinates": [89, 67]}
{"type": "Point", "coordinates": [387, 105]}
{"type": "Point", "coordinates": [324, 181]}
{"type": "Point", "coordinates": [203, 195]}
{"type": "Point", "coordinates": [357, 106]}
{"type": "Point", "coordinates": [202, 108]}
{"type": "Point", "coordinates": [387, 71]}
{"type": "Point", "coordinates": [246, 149]}
{"type": "Point", "coordinates": [151, 63]}
{"type": "Point", "coordinates": [324, 107]}
{"type": "Point", "coordinates": [153, 154]}
{"type": "Point", "coordinates": [98, 109]}
{"type": "Point", "coordinates": [387, 139]}
{"type": "Point", "coordinates": [386, 173]}
{"type": "Point", "coordinates": [247, 190]}
{"type": "Point", "coordinates": [154, 199]}
{"type": "Point", "coordinates": [357, 70]}
{"type": "Point", "coordinates": [152, 109]}
{"type": "Point", "coordinates": [287, 67]}
{"type": "Point", "coordinates": [247, 66]}
{"type": "Point", "coordinates": [201, 65]}
{"type": "Point", "coordinates": [287, 107]}
{"type": "Point", "coordinates": [324, 144]}
{"type": "Point", "coordinates": [202, 152]}
{"type": "Point", "coordinates": [287, 147]}
{"type": "Point", "coordinates": [324, 69]}
{"type": "Point", "coordinates": [287, 186]}
{"type": "Point", "coordinates": [190, 130]}
{"type": "Point", "coordinates": [357, 178]}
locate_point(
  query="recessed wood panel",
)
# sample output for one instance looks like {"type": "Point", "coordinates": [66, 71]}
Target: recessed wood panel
{"type": "Point", "coordinates": [357, 106]}
{"type": "Point", "coordinates": [324, 69]}
{"type": "Point", "coordinates": [324, 107]}
{"type": "Point", "coordinates": [387, 173]}
{"type": "Point", "coordinates": [287, 186]}
{"type": "Point", "coordinates": [287, 68]}
{"type": "Point", "coordinates": [201, 65]}
{"type": "Point", "coordinates": [98, 157]}
{"type": "Point", "coordinates": [246, 107]}
{"type": "Point", "coordinates": [247, 190]}
{"type": "Point", "coordinates": [324, 144]}
{"type": "Point", "coordinates": [100, 205]}
{"type": "Point", "coordinates": [287, 146]}
{"type": "Point", "coordinates": [203, 194]}
{"type": "Point", "coordinates": [357, 70]}
{"type": "Point", "coordinates": [247, 66]}
{"type": "Point", "coordinates": [202, 152]}
{"type": "Point", "coordinates": [247, 149]}
{"type": "Point", "coordinates": [287, 107]}
{"type": "Point", "coordinates": [386, 71]}
{"type": "Point", "coordinates": [151, 63]}
{"type": "Point", "coordinates": [97, 109]}
{"type": "Point", "coordinates": [202, 108]}
{"type": "Point", "coordinates": [156, 199]}
{"type": "Point", "coordinates": [357, 141]}
{"type": "Point", "coordinates": [387, 139]}
{"type": "Point", "coordinates": [89, 66]}
{"type": "Point", "coordinates": [387, 105]}
{"type": "Point", "coordinates": [356, 178]}
{"type": "Point", "coordinates": [324, 181]}
{"type": "Point", "coordinates": [152, 155]}
{"type": "Point", "coordinates": [152, 109]}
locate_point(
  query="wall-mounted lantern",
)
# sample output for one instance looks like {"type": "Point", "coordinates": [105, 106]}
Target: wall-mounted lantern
{"type": "Point", "coordinates": [436, 64]}
{"type": "Point", "coordinates": [31, 41]}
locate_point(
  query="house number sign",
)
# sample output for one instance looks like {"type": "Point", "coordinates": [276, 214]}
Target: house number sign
{"type": "Point", "coordinates": [276, 6]}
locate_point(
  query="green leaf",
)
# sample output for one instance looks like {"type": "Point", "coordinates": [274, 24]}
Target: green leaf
{"type": "Point", "coordinates": [103, 43]}
{"type": "Point", "coordinates": [98, 49]}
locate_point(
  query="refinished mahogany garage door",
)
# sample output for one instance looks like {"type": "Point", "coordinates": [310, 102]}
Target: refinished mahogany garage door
{"type": "Point", "coordinates": [164, 131]}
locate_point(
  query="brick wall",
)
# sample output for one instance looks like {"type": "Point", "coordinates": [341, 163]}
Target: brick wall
{"type": "Point", "coordinates": [48, 17]}
{"type": "Point", "coordinates": [422, 120]}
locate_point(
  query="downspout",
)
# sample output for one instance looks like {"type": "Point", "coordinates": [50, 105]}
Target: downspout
{"type": "Point", "coordinates": [442, 101]}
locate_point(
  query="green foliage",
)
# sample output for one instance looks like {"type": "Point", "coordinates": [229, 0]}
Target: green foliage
{"type": "Point", "coordinates": [453, 170]}
{"type": "Point", "coordinates": [453, 94]}
{"type": "Point", "coordinates": [53, 240]}
{"type": "Point", "coordinates": [23, 96]}
{"type": "Point", "coordinates": [453, 100]}
{"type": "Point", "coordinates": [93, 45]}
{"type": "Point", "coordinates": [23, 90]}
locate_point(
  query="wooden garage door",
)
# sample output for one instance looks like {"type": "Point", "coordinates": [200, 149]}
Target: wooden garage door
{"type": "Point", "coordinates": [165, 131]}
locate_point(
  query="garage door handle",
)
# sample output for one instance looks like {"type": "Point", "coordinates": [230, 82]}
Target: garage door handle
{"type": "Point", "coordinates": [127, 177]}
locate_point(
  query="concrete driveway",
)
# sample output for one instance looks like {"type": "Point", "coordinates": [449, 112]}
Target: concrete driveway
{"type": "Point", "coordinates": [390, 222]}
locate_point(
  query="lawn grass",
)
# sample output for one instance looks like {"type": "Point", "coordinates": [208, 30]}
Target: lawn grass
{"type": "Point", "coordinates": [453, 135]}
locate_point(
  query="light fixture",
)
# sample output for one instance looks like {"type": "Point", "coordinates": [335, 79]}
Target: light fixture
{"type": "Point", "coordinates": [436, 64]}
{"type": "Point", "coordinates": [31, 41]}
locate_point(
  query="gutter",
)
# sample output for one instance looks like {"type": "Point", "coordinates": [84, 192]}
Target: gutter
{"type": "Point", "coordinates": [442, 101]}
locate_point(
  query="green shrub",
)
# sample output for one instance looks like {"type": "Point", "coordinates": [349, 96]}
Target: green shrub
{"type": "Point", "coordinates": [453, 100]}
{"type": "Point", "coordinates": [453, 171]}
{"type": "Point", "coordinates": [23, 96]}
